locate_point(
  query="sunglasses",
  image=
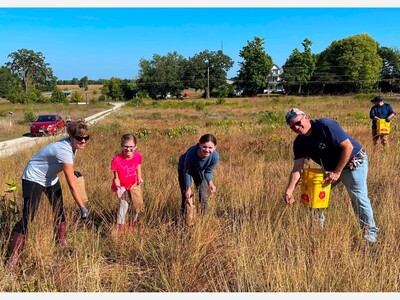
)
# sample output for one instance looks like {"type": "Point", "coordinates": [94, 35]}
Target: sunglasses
{"type": "Point", "coordinates": [298, 123]}
{"type": "Point", "coordinates": [81, 138]}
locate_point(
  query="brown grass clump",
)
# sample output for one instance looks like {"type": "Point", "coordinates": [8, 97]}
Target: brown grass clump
{"type": "Point", "coordinates": [250, 241]}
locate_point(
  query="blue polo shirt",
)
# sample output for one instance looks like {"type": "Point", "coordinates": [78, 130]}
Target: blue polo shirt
{"type": "Point", "coordinates": [323, 143]}
{"type": "Point", "coordinates": [381, 112]}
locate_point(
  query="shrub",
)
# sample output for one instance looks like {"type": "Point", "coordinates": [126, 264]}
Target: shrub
{"type": "Point", "coordinates": [271, 117]}
{"type": "Point", "coordinates": [220, 101]}
{"type": "Point", "coordinates": [29, 116]}
{"type": "Point", "coordinates": [199, 105]}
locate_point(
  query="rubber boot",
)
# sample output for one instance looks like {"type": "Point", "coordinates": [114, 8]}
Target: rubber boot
{"type": "Point", "coordinates": [131, 227]}
{"type": "Point", "coordinates": [121, 229]}
{"type": "Point", "coordinates": [138, 224]}
{"type": "Point", "coordinates": [16, 247]}
{"type": "Point", "coordinates": [61, 234]}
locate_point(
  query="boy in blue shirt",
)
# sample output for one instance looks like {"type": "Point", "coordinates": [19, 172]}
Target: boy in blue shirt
{"type": "Point", "coordinates": [380, 110]}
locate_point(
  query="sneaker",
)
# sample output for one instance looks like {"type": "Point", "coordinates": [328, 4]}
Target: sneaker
{"type": "Point", "coordinates": [318, 218]}
{"type": "Point", "coordinates": [371, 237]}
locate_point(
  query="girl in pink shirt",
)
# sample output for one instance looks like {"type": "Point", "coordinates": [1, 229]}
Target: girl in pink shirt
{"type": "Point", "coordinates": [126, 167]}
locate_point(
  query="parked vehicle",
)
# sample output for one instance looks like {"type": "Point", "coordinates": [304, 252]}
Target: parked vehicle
{"type": "Point", "coordinates": [51, 124]}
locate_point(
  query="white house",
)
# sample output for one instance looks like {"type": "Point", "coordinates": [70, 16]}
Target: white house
{"type": "Point", "coordinates": [275, 84]}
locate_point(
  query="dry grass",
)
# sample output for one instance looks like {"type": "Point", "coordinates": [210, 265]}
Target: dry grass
{"type": "Point", "coordinates": [93, 91]}
{"type": "Point", "coordinates": [249, 242]}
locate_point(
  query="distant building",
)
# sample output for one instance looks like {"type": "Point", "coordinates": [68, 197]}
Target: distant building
{"type": "Point", "coordinates": [67, 93]}
{"type": "Point", "coordinates": [275, 84]}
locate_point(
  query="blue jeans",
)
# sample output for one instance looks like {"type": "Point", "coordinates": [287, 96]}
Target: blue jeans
{"type": "Point", "coordinates": [355, 182]}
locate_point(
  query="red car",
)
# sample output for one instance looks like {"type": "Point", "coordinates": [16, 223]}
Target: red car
{"type": "Point", "coordinates": [51, 124]}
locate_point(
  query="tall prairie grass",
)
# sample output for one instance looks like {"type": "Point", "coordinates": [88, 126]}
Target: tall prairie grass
{"type": "Point", "coordinates": [249, 241]}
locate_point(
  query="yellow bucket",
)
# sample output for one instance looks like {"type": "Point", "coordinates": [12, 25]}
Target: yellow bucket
{"type": "Point", "coordinates": [314, 193]}
{"type": "Point", "coordinates": [383, 126]}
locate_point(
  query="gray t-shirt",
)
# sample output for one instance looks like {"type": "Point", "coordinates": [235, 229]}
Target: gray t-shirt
{"type": "Point", "coordinates": [48, 162]}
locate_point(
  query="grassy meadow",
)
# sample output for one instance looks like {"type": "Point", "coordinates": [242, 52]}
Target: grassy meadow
{"type": "Point", "coordinates": [250, 241]}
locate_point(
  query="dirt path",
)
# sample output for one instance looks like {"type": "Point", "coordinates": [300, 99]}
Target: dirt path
{"type": "Point", "coordinates": [8, 148]}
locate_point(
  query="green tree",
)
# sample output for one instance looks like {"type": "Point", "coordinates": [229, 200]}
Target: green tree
{"type": "Point", "coordinates": [255, 68]}
{"type": "Point", "coordinates": [76, 97]}
{"type": "Point", "coordinates": [8, 82]}
{"type": "Point", "coordinates": [207, 69]}
{"type": "Point", "coordinates": [162, 75]}
{"type": "Point", "coordinates": [299, 67]}
{"type": "Point", "coordinates": [112, 89]}
{"type": "Point", "coordinates": [57, 96]}
{"type": "Point", "coordinates": [31, 69]}
{"type": "Point", "coordinates": [32, 96]}
{"type": "Point", "coordinates": [390, 73]}
{"type": "Point", "coordinates": [323, 75]}
{"type": "Point", "coordinates": [84, 83]}
{"type": "Point", "coordinates": [117, 89]}
{"type": "Point", "coordinates": [354, 64]}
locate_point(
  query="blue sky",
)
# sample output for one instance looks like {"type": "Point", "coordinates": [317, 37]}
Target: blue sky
{"type": "Point", "coordinates": [109, 42]}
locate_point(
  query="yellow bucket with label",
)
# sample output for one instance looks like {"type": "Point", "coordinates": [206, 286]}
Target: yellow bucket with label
{"type": "Point", "coordinates": [314, 192]}
{"type": "Point", "coordinates": [383, 127]}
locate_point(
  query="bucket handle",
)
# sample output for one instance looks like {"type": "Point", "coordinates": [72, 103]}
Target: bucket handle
{"type": "Point", "coordinates": [307, 163]}
{"type": "Point", "coordinates": [323, 168]}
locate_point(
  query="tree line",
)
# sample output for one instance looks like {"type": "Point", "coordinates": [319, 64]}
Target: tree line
{"type": "Point", "coordinates": [356, 64]}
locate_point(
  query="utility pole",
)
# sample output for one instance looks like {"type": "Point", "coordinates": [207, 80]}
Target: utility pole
{"type": "Point", "coordinates": [10, 113]}
{"type": "Point", "coordinates": [208, 82]}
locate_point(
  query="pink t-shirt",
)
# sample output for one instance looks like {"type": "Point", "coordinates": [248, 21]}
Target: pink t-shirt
{"type": "Point", "coordinates": [126, 169]}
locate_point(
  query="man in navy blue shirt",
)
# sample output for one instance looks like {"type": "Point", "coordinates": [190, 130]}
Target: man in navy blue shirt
{"type": "Point", "coordinates": [325, 142]}
{"type": "Point", "coordinates": [380, 110]}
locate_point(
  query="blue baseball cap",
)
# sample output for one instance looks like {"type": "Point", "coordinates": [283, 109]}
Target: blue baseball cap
{"type": "Point", "coordinates": [293, 113]}
{"type": "Point", "coordinates": [377, 99]}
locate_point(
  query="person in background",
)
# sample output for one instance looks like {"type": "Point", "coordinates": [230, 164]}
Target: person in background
{"type": "Point", "coordinates": [40, 176]}
{"type": "Point", "coordinates": [127, 179]}
{"type": "Point", "coordinates": [68, 121]}
{"type": "Point", "coordinates": [380, 110]}
{"type": "Point", "coordinates": [344, 160]}
{"type": "Point", "coordinates": [198, 162]}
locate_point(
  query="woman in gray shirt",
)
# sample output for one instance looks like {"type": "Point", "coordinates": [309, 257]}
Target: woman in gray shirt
{"type": "Point", "coordinates": [40, 176]}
